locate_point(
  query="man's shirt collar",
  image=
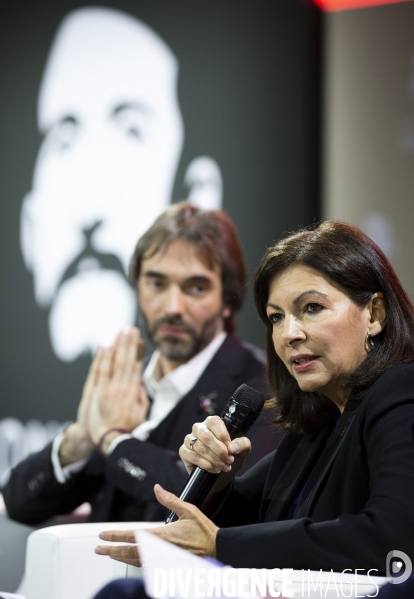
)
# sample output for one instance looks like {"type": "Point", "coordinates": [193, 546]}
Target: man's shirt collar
{"type": "Point", "coordinates": [183, 378]}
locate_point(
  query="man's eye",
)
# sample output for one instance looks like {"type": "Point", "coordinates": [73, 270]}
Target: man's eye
{"type": "Point", "coordinates": [156, 284]}
{"type": "Point", "coordinates": [197, 290]}
{"type": "Point", "coordinates": [313, 308]}
{"type": "Point", "coordinates": [275, 318]}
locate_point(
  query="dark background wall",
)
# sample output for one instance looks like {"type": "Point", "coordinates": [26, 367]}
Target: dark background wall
{"type": "Point", "coordinates": [249, 95]}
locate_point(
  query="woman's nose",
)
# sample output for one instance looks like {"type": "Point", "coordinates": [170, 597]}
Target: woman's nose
{"type": "Point", "coordinates": [292, 331]}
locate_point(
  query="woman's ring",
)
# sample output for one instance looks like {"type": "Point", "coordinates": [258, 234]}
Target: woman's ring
{"type": "Point", "coordinates": [193, 440]}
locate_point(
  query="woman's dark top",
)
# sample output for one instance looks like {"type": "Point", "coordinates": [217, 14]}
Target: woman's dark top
{"type": "Point", "coordinates": [358, 504]}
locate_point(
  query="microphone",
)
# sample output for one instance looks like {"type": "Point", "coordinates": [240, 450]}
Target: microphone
{"type": "Point", "coordinates": [241, 411]}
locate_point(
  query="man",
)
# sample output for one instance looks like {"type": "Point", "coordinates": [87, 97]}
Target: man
{"type": "Point", "coordinates": [112, 138]}
{"type": "Point", "coordinates": [190, 276]}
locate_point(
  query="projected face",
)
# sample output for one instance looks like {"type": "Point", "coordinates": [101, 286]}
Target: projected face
{"type": "Point", "coordinates": [113, 136]}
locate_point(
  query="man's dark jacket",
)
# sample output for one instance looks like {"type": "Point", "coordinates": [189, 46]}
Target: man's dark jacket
{"type": "Point", "coordinates": [119, 487]}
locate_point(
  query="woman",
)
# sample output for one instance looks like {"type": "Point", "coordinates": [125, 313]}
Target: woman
{"type": "Point", "coordinates": [339, 491]}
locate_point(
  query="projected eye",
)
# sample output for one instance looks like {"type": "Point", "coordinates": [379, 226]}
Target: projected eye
{"type": "Point", "coordinates": [132, 121]}
{"type": "Point", "coordinates": [61, 136]}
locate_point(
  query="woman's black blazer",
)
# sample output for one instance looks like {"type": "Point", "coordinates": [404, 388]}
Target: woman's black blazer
{"type": "Point", "coordinates": [358, 501]}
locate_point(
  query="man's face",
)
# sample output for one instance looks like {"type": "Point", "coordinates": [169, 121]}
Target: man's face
{"type": "Point", "coordinates": [181, 300]}
{"type": "Point", "coordinates": [113, 135]}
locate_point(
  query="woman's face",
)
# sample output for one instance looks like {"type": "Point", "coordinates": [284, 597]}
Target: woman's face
{"type": "Point", "coordinates": [318, 332]}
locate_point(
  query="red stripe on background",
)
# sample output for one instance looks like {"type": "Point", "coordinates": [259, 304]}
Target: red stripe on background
{"type": "Point", "coordinates": [348, 4]}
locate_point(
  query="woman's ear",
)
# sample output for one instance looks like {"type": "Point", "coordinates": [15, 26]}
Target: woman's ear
{"type": "Point", "coordinates": [378, 312]}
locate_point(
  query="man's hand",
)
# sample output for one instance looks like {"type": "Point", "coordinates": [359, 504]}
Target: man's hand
{"type": "Point", "coordinates": [112, 397]}
{"type": "Point", "coordinates": [116, 397]}
{"type": "Point", "coordinates": [77, 443]}
{"type": "Point", "coordinates": [193, 532]}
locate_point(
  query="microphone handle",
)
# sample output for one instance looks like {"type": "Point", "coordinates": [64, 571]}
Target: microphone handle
{"type": "Point", "coordinates": [200, 482]}
{"type": "Point", "coordinates": [196, 489]}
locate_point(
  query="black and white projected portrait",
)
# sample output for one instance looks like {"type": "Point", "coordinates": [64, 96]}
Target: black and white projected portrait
{"type": "Point", "coordinates": [109, 113]}
{"type": "Point", "coordinates": [112, 137]}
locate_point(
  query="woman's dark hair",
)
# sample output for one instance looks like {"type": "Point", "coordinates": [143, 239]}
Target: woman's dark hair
{"type": "Point", "coordinates": [214, 237]}
{"type": "Point", "coordinates": [352, 260]}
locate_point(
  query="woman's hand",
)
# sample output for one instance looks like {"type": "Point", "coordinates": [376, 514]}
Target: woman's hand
{"type": "Point", "coordinates": [213, 450]}
{"type": "Point", "coordinates": [193, 532]}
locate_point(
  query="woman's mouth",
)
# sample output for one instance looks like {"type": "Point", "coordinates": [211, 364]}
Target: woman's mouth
{"type": "Point", "coordinates": [303, 362]}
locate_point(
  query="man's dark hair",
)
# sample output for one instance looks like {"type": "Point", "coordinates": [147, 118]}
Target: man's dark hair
{"type": "Point", "coordinates": [352, 260]}
{"type": "Point", "coordinates": [215, 240]}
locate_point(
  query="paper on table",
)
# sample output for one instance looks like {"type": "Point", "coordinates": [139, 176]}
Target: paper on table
{"type": "Point", "coordinates": [173, 572]}
{"type": "Point", "coordinates": [161, 558]}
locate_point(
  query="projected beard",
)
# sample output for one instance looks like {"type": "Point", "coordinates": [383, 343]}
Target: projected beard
{"type": "Point", "coordinates": [92, 300]}
{"type": "Point", "coordinates": [182, 348]}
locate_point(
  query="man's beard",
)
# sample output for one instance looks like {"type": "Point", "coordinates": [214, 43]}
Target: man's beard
{"type": "Point", "coordinates": [181, 349]}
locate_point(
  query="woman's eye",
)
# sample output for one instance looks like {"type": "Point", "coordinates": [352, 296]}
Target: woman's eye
{"type": "Point", "coordinates": [275, 318]}
{"type": "Point", "coordinates": [313, 308]}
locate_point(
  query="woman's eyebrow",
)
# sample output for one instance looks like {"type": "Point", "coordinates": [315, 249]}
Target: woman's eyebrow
{"type": "Point", "coordinates": [298, 298]}
{"type": "Point", "coordinates": [309, 292]}
{"type": "Point", "coordinates": [270, 305]}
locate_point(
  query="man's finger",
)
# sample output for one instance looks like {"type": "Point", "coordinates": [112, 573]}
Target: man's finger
{"type": "Point", "coordinates": [120, 355]}
{"type": "Point", "coordinates": [92, 377]}
{"type": "Point", "coordinates": [141, 350]}
{"type": "Point", "coordinates": [104, 365]}
{"type": "Point", "coordinates": [132, 344]}
{"type": "Point", "coordinates": [126, 352]}
{"type": "Point", "coordinates": [118, 536]}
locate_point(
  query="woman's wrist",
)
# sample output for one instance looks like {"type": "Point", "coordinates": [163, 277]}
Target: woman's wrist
{"type": "Point", "coordinates": [212, 542]}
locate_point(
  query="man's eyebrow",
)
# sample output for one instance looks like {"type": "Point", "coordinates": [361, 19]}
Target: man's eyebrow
{"type": "Point", "coordinates": [139, 106]}
{"type": "Point", "coordinates": [154, 274]}
{"type": "Point", "coordinates": [298, 298]}
{"type": "Point", "coordinates": [198, 279]}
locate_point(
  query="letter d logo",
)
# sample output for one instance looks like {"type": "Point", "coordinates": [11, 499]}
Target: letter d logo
{"type": "Point", "coordinates": [398, 567]}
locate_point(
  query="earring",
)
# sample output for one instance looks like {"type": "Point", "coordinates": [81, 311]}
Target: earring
{"type": "Point", "coordinates": [369, 343]}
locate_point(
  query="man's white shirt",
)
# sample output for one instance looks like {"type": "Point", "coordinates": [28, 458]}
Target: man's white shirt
{"type": "Point", "coordinates": [165, 393]}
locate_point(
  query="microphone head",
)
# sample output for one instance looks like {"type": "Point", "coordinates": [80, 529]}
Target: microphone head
{"type": "Point", "coordinates": [242, 409]}
{"type": "Point", "coordinates": [248, 398]}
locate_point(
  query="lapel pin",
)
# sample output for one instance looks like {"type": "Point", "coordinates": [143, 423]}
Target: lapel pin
{"type": "Point", "coordinates": [207, 404]}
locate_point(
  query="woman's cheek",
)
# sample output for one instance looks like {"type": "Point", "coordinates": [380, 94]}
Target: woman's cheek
{"type": "Point", "coordinates": [277, 345]}
{"type": "Point", "coordinates": [279, 349]}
